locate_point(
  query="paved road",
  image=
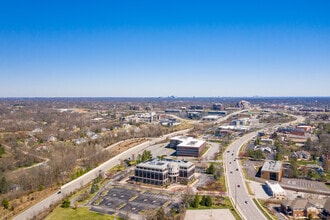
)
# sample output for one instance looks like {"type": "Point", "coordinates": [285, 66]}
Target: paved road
{"type": "Point", "coordinates": [236, 183]}
{"type": "Point", "coordinates": [88, 177]}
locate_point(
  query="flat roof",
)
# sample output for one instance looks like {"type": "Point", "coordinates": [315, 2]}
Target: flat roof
{"type": "Point", "coordinates": [162, 164]}
{"type": "Point", "coordinates": [275, 187]}
{"type": "Point", "coordinates": [191, 143]}
{"type": "Point", "coordinates": [181, 138]}
{"type": "Point", "coordinates": [272, 166]}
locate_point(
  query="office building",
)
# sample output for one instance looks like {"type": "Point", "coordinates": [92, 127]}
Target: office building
{"type": "Point", "coordinates": [161, 172]}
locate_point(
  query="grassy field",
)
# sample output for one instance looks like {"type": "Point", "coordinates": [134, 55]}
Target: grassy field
{"type": "Point", "coordinates": [79, 214]}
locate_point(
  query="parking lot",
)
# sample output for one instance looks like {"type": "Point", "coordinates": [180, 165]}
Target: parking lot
{"type": "Point", "coordinates": [131, 201]}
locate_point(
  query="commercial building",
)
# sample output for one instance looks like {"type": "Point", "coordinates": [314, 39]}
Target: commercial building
{"type": "Point", "coordinates": [218, 106]}
{"type": "Point", "coordinates": [187, 146]}
{"type": "Point", "coordinates": [275, 190]}
{"type": "Point", "coordinates": [272, 170]}
{"type": "Point", "coordinates": [302, 208]}
{"type": "Point", "coordinates": [243, 104]}
{"type": "Point", "coordinates": [161, 172]}
{"type": "Point", "coordinates": [210, 118]}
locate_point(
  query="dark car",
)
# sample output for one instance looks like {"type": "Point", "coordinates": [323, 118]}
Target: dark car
{"type": "Point", "coordinates": [59, 192]}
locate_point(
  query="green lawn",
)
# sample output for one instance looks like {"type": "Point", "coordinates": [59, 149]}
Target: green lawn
{"type": "Point", "coordinates": [302, 162]}
{"type": "Point", "coordinates": [79, 214]}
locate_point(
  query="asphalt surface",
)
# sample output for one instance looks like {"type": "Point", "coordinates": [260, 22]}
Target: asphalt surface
{"type": "Point", "coordinates": [236, 183]}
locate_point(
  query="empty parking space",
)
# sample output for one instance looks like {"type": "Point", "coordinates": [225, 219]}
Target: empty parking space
{"type": "Point", "coordinates": [126, 200]}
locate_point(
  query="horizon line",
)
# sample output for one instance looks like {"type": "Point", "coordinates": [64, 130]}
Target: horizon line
{"type": "Point", "coordinates": [155, 97]}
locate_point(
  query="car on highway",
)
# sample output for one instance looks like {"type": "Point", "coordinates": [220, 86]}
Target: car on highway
{"type": "Point", "coordinates": [236, 169]}
{"type": "Point", "coordinates": [59, 192]}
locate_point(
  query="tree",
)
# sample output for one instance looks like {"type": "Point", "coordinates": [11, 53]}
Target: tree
{"type": "Point", "coordinates": [308, 144]}
{"type": "Point", "coordinates": [278, 156]}
{"type": "Point", "coordinates": [187, 196]}
{"type": "Point", "coordinates": [310, 216]}
{"type": "Point", "coordinates": [256, 154]}
{"type": "Point", "coordinates": [160, 215]}
{"type": "Point", "coordinates": [208, 201]}
{"type": "Point", "coordinates": [2, 150]}
{"type": "Point", "coordinates": [294, 166]}
{"type": "Point", "coordinates": [218, 173]}
{"type": "Point", "coordinates": [202, 203]}
{"type": "Point", "coordinates": [196, 201]}
{"type": "Point", "coordinates": [5, 203]}
{"type": "Point", "coordinates": [66, 203]}
{"type": "Point", "coordinates": [257, 141]}
{"type": "Point", "coordinates": [146, 155]}
{"type": "Point", "coordinates": [3, 185]}
{"type": "Point", "coordinates": [94, 188]}
{"type": "Point", "coordinates": [211, 169]}
{"type": "Point", "coordinates": [274, 135]}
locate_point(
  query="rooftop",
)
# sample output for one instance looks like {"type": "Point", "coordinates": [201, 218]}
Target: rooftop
{"type": "Point", "coordinates": [162, 164]}
{"type": "Point", "coordinates": [275, 187]}
{"type": "Point", "coordinates": [191, 143]}
{"type": "Point", "coordinates": [272, 166]}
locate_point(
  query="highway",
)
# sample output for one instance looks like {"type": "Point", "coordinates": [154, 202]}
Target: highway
{"type": "Point", "coordinates": [88, 177]}
{"type": "Point", "coordinates": [236, 187]}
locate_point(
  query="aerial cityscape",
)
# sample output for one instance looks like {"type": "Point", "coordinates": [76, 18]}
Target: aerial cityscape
{"type": "Point", "coordinates": [165, 110]}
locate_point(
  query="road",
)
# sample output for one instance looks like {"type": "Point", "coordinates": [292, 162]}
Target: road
{"type": "Point", "coordinates": [236, 183]}
{"type": "Point", "coordinates": [88, 177]}
{"type": "Point", "coordinates": [237, 189]}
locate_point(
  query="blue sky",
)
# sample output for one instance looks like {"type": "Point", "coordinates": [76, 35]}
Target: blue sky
{"type": "Point", "coordinates": [162, 48]}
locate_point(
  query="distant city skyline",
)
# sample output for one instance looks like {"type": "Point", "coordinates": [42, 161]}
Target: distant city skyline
{"type": "Point", "coordinates": [164, 48]}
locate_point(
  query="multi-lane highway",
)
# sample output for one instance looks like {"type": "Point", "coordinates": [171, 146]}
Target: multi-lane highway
{"type": "Point", "coordinates": [236, 183]}
{"type": "Point", "coordinates": [235, 180]}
